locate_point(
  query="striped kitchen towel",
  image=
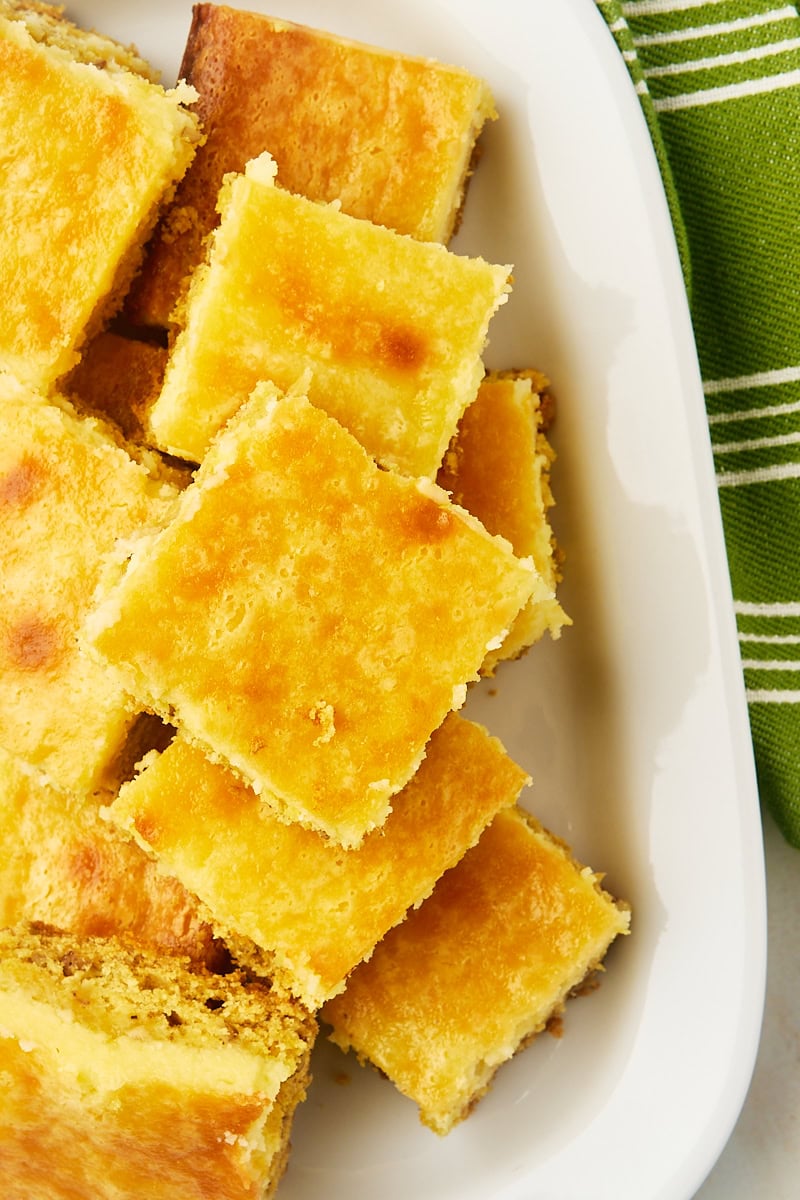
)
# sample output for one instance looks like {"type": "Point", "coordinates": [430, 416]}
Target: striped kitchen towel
{"type": "Point", "coordinates": [719, 83]}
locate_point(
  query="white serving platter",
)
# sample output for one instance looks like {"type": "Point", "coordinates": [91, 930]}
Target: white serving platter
{"type": "Point", "coordinates": [634, 724]}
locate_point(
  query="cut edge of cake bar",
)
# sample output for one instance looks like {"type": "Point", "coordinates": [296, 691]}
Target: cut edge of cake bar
{"type": "Point", "coordinates": [47, 24]}
{"type": "Point", "coordinates": [110, 1053]}
{"type": "Point", "coordinates": [516, 419]}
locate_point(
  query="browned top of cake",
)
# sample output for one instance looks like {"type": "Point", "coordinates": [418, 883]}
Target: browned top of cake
{"type": "Point", "coordinates": [387, 332]}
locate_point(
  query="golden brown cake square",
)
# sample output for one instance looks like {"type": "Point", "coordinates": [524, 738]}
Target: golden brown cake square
{"type": "Point", "coordinates": [390, 329]}
{"type": "Point", "coordinates": [129, 1075]}
{"type": "Point", "coordinates": [62, 864]}
{"type": "Point", "coordinates": [478, 969]}
{"type": "Point", "coordinates": [389, 136]}
{"type": "Point", "coordinates": [316, 909]}
{"type": "Point", "coordinates": [307, 617]}
{"type": "Point", "coordinates": [498, 467]}
{"type": "Point", "coordinates": [68, 495]}
{"type": "Point", "coordinates": [89, 153]}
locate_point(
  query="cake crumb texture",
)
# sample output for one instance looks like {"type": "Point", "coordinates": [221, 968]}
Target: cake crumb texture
{"type": "Point", "coordinates": [126, 1073]}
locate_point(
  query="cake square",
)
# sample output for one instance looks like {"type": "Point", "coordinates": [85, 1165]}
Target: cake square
{"type": "Point", "coordinates": [315, 909]}
{"type": "Point", "coordinates": [62, 864]}
{"type": "Point", "coordinates": [68, 494]}
{"type": "Point", "coordinates": [478, 969]}
{"type": "Point", "coordinates": [307, 617]}
{"type": "Point", "coordinates": [127, 1074]}
{"type": "Point", "coordinates": [389, 136]}
{"type": "Point", "coordinates": [89, 153]}
{"type": "Point", "coordinates": [498, 468]}
{"type": "Point", "coordinates": [391, 329]}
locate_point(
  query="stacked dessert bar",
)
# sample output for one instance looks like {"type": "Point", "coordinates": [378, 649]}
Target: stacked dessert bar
{"type": "Point", "coordinates": [264, 519]}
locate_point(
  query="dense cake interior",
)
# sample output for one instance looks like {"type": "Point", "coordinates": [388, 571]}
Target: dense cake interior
{"type": "Point", "coordinates": [117, 989]}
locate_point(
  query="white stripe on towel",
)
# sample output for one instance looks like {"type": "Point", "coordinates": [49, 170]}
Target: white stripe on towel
{"type": "Point", "coordinates": [654, 8]}
{"type": "Point", "coordinates": [724, 60]}
{"type": "Point", "coordinates": [758, 475]}
{"type": "Point", "coordinates": [763, 443]}
{"type": "Point", "coordinates": [777, 608]}
{"type": "Point", "coordinates": [664, 37]}
{"type": "Point", "coordinates": [737, 383]}
{"type": "Point", "coordinates": [748, 414]}
{"type": "Point", "coordinates": [772, 664]}
{"type": "Point", "coordinates": [772, 639]}
{"type": "Point", "coordinates": [771, 696]}
{"type": "Point", "coordinates": [732, 91]}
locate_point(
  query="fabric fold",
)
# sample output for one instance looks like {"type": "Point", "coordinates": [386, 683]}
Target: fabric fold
{"type": "Point", "coordinates": [719, 85]}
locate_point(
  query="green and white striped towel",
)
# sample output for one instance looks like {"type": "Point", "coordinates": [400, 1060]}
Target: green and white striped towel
{"type": "Point", "coordinates": [719, 83]}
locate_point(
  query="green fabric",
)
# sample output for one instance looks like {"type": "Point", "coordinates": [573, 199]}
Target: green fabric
{"type": "Point", "coordinates": [719, 85]}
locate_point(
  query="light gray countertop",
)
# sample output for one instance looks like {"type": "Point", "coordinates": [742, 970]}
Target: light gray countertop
{"type": "Point", "coordinates": [762, 1158]}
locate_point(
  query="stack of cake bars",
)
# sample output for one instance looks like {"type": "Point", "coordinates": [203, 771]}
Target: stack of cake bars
{"type": "Point", "coordinates": [264, 519]}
